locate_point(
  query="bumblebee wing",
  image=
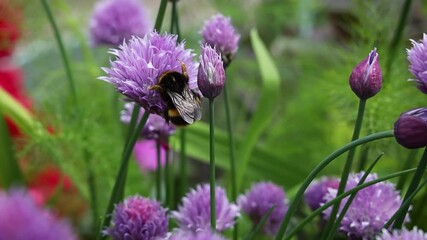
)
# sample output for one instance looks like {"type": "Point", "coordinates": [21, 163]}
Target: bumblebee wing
{"type": "Point", "coordinates": [188, 104]}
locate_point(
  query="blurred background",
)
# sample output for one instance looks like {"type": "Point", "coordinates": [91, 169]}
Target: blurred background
{"type": "Point", "coordinates": [315, 45]}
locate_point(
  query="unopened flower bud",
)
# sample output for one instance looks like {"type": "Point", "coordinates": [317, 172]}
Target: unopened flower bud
{"type": "Point", "coordinates": [410, 130]}
{"type": "Point", "coordinates": [366, 78]}
{"type": "Point", "coordinates": [211, 75]}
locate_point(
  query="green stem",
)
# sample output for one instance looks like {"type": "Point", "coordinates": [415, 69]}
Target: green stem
{"type": "Point", "coordinates": [260, 225]}
{"type": "Point", "coordinates": [212, 163]}
{"type": "Point", "coordinates": [406, 164]}
{"type": "Point", "coordinates": [159, 173]}
{"type": "Point", "coordinates": [119, 185]}
{"type": "Point", "coordinates": [406, 203]}
{"type": "Point", "coordinates": [160, 15]}
{"type": "Point", "coordinates": [340, 197]}
{"type": "Point", "coordinates": [351, 198]}
{"type": "Point", "coordinates": [363, 158]}
{"type": "Point", "coordinates": [232, 155]}
{"type": "Point", "coordinates": [325, 162]}
{"type": "Point", "coordinates": [62, 50]}
{"type": "Point", "coordinates": [230, 145]}
{"type": "Point", "coordinates": [10, 172]}
{"type": "Point", "coordinates": [171, 176]}
{"type": "Point", "coordinates": [396, 37]}
{"type": "Point", "coordinates": [92, 188]}
{"type": "Point", "coordinates": [167, 180]}
{"type": "Point", "coordinates": [347, 166]}
{"type": "Point", "coordinates": [416, 179]}
{"type": "Point", "coordinates": [183, 165]}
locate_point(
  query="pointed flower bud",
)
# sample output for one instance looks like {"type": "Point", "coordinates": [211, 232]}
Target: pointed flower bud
{"type": "Point", "coordinates": [410, 130]}
{"type": "Point", "coordinates": [417, 57]}
{"type": "Point", "coordinates": [366, 78]}
{"type": "Point", "coordinates": [219, 33]}
{"type": "Point", "coordinates": [211, 75]}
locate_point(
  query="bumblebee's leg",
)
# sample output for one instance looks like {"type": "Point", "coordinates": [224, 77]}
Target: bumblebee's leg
{"type": "Point", "coordinates": [184, 70]}
{"type": "Point", "coordinates": [156, 88]}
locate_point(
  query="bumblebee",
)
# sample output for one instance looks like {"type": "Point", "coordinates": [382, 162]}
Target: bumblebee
{"type": "Point", "coordinates": [183, 104]}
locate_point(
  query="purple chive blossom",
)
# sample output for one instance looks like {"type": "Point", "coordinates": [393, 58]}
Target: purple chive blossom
{"type": "Point", "coordinates": [20, 218]}
{"type": "Point", "coordinates": [366, 78]}
{"type": "Point", "coordinates": [211, 75]}
{"type": "Point", "coordinates": [194, 213]}
{"type": "Point", "coordinates": [140, 62]}
{"type": "Point", "coordinates": [114, 21]}
{"type": "Point", "coordinates": [259, 199]}
{"type": "Point", "coordinates": [417, 57]}
{"type": "Point", "coordinates": [410, 130]}
{"type": "Point", "coordinates": [370, 210]}
{"type": "Point", "coordinates": [138, 218]}
{"type": "Point", "coordinates": [145, 152]}
{"type": "Point", "coordinates": [404, 234]}
{"type": "Point", "coordinates": [180, 234]}
{"type": "Point", "coordinates": [315, 194]}
{"type": "Point", "coordinates": [155, 127]}
{"type": "Point", "coordinates": [220, 34]}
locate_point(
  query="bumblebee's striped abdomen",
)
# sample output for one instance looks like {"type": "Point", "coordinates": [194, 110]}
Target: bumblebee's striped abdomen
{"type": "Point", "coordinates": [176, 118]}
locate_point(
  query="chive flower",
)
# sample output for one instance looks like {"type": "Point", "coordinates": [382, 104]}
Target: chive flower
{"type": "Point", "coordinates": [141, 61]}
{"type": "Point", "coordinates": [316, 192]}
{"type": "Point", "coordinates": [220, 34]}
{"type": "Point", "coordinates": [259, 199]}
{"type": "Point", "coordinates": [417, 57]}
{"type": "Point", "coordinates": [21, 218]}
{"type": "Point", "coordinates": [366, 78]}
{"type": "Point", "coordinates": [211, 74]}
{"type": "Point", "coordinates": [155, 128]}
{"type": "Point", "coordinates": [410, 129]}
{"type": "Point", "coordinates": [194, 213]}
{"type": "Point", "coordinates": [404, 234]}
{"type": "Point", "coordinates": [138, 218]}
{"type": "Point", "coordinates": [180, 234]}
{"type": "Point", "coordinates": [372, 207]}
{"type": "Point", "coordinates": [145, 152]}
{"type": "Point", "coordinates": [114, 21]}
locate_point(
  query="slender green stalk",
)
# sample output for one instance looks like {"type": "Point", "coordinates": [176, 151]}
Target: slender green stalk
{"type": "Point", "coordinates": [416, 179]}
{"type": "Point", "coordinates": [340, 197]}
{"type": "Point", "coordinates": [92, 188]}
{"type": "Point", "coordinates": [159, 173]}
{"type": "Point", "coordinates": [10, 172]}
{"type": "Point", "coordinates": [119, 185]}
{"type": "Point", "coordinates": [325, 162]}
{"type": "Point", "coordinates": [347, 166]}
{"type": "Point", "coordinates": [417, 213]}
{"type": "Point", "coordinates": [167, 179]}
{"type": "Point", "coordinates": [396, 37]}
{"type": "Point", "coordinates": [212, 163]}
{"type": "Point", "coordinates": [363, 158]}
{"type": "Point", "coordinates": [406, 203]}
{"type": "Point", "coordinates": [406, 164]}
{"type": "Point", "coordinates": [232, 155]}
{"type": "Point", "coordinates": [171, 177]}
{"type": "Point", "coordinates": [160, 15]}
{"type": "Point", "coordinates": [351, 198]}
{"type": "Point", "coordinates": [62, 50]}
{"type": "Point", "coordinates": [183, 176]}
{"type": "Point", "coordinates": [261, 224]}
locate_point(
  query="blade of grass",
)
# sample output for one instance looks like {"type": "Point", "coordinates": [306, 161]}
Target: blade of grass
{"type": "Point", "coordinates": [267, 102]}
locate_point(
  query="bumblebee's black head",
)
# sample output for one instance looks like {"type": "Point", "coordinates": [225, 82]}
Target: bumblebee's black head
{"type": "Point", "coordinates": [173, 81]}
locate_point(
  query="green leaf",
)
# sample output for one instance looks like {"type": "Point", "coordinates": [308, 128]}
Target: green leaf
{"type": "Point", "coordinates": [266, 105]}
{"type": "Point", "coordinates": [10, 173]}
